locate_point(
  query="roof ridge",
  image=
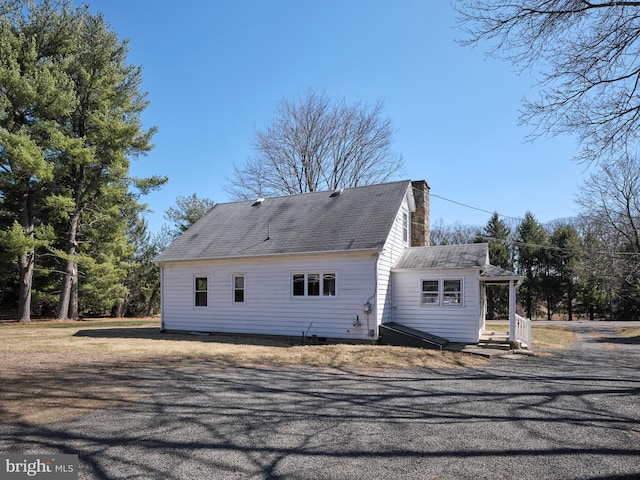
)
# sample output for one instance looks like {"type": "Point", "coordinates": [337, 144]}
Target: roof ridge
{"type": "Point", "coordinates": [316, 192]}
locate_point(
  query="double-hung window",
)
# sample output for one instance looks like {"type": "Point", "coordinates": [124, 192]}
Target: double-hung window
{"type": "Point", "coordinates": [452, 292]}
{"type": "Point", "coordinates": [443, 291]}
{"type": "Point", "coordinates": [430, 292]}
{"type": "Point", "coordinates": [313, 284]}
{"type": "Point", "coordinates": [238, 289]}
{"type": "Point", "coordinates": [201, 291]}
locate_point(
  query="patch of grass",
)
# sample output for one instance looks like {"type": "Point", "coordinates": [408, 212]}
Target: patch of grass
{"type": "Point", "coordinates": [552, 337]}
{"type": "Point", "coordinates": [89, 323]}
{"type": "Point", "coordinates": [141, 339]}
{"type": "Point", "coordinates": [545, 337]}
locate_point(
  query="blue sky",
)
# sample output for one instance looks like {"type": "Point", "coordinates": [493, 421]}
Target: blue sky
{"type": "Point", "coordinates": [215, 71]}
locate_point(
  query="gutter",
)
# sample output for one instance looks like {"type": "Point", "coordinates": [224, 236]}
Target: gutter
{"type": "Point", "coordinates": [159, 261]}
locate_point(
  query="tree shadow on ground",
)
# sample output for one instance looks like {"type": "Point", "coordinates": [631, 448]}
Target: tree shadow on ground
{"type": "Point", "coordinates": [213, 419]}
{"type": "Point", "coordinates": [153, 333]}
{"type": "Point", "coordinates": [619, 340]}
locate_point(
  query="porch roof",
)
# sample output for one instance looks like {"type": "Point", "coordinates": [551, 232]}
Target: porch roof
{"type": "Point", "coordinates": [493, 274]}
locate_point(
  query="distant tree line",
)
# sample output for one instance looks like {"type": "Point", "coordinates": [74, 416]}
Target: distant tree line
{"type": "Point", "coordinates": [70, 213]}
{"type": "Point", "coordinates": [587, 266]}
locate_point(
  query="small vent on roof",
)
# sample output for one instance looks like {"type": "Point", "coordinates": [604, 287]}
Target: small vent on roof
{"type": "Point", "coordinates": [337, 193]}
{"type": "Point", "coordinates": [258, 202]}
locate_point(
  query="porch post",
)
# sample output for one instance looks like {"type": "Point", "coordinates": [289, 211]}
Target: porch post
{"type": "Point", "coordinates": [512, 311]}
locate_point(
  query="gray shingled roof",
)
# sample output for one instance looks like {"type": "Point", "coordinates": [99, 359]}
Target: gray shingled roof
{"type": "Point", "coordinates": [445, 256]}
{"type": "Point", "coordinates": [493, 273]}
{"type": "Point", "coordinates": [359, 218]}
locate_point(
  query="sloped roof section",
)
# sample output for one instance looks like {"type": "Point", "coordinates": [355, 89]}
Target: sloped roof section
{"type": "Point", "coordinates": [491, 273]}
{"type": "Point", "coordinates": [357, 218]}
{"type": "Point", "coordinates": [445, 256]}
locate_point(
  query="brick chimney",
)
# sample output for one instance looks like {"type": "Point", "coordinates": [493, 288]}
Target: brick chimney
{"type": "Point", "coordinates": [420, 218]}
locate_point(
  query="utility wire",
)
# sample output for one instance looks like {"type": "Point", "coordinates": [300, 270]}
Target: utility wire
{"type": "Point", "coordinates": [474, 208]}
{"type": "Point", "coordinates": [516, 242]}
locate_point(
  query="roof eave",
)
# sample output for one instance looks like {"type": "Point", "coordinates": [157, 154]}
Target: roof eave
{"type": "Point", "coordinates": [375, 250]}
{"type": "Point", "coordinates": [501, 279]}
{"type": "Point", "coordinates": [411, 269]}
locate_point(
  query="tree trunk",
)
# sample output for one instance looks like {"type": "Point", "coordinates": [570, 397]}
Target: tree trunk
{"type": "Point", "coordinates": [152, 301]}
{"type": "Point", "coordinates": [74, 309]}
{"type": "Point", "coordinates": [570, 302]}
{"type": "Point", "coordinates": [120, 309]}
{"type": "Point", "coordinates": [26, 261]}
{"type": "Point", "coordinates": [68, 306]}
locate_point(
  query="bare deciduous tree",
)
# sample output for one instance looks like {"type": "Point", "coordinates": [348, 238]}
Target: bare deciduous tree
{"type": "Point", "coordinates": [611, 198]}
{"type": "Point", "coordinates": [610, 201]}
{"type": "Point", "coordinates": [315, 143]}
{"type": "Point", "coordinates": [453, 234]}
{"type": "Point", "coordinates": [588, 56]}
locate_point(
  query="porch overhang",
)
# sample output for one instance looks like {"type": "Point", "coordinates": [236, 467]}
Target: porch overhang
{"type": "Point", "coordinates": [490, 274]}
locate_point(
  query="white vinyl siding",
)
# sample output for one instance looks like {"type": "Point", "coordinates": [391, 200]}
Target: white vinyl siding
{"type": "Point", "coordinates": [393, 248]}
{"type": "Point", "coordinates": [269, 306]}
{"type": "Point", "coordinates": [455, 314]}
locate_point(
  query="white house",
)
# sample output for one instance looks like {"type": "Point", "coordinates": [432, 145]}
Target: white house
{"type": "Point", "coordinates": [331, 264]}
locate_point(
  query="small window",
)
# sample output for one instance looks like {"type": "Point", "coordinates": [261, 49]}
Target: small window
{"type": "Point", "coordinates": [405, 227]}
{"type": "Point", "coordinates": [298, 285]}
{"type": "Point", "coordinates": [452, 292]}
{"type": "Point", "coordinates": [201, 289]}
{"type": "Point", "coordinates": [238, 288]}
{"type": "Point", "coordinates": [329, 285]}
{"type": "Point", "coordinates": [313, 284]}
{"type": "Point", "coordinates": [430, 292]}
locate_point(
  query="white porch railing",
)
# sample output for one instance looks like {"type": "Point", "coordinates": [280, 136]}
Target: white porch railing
{"type": "Point", "coordinates": [522, 330]}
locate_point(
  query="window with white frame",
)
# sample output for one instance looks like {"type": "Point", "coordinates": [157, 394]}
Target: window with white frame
{"type": "Point", "coordinates": [313, 284]}
{"type": "Point", "coordinates": [452, 291]}
{"type": "Point", "coordinates": [201, 291]}
{"type": "Point", "coordinates": [442, 291]}
{"type": "Point", "coordinates": [405, 227]}
{"type": "Point", "coordinates": [238, 289]}
{"type": "Point", "coordinates": [329, 284]}
{"type": "Point", "coordinates": [430, 292]}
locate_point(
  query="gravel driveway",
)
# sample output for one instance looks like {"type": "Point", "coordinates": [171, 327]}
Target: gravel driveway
{"type": "Point", "coordinates": [573, 415]}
